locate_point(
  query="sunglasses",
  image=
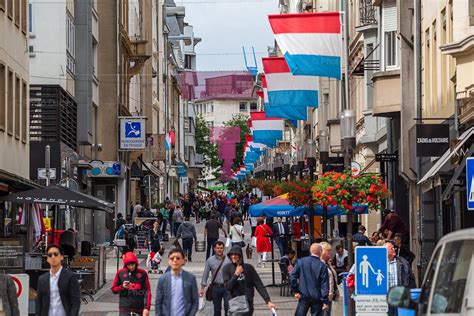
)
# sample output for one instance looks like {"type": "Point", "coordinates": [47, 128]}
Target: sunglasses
{"type": "Point", "coordinates": [53, 254]}
{"type": "Point", "coordinates": [175, 258]}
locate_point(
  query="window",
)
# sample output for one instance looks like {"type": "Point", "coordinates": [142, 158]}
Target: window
{"type": "Point", "coordinates": [471, 12]}
{"type": "Point", "coordinates": [70, 35]}
{"type": "Point", "coordinates": [30, 18]}
{"type": "Point", "coordinates": [24, 8]}
{"type": "Point", "coordinates": [389, 11]}
{"type": "Point", "coordinates": [391, 49]}
{"type": "Point", "coordinates": [427, 69]}
{"type": "Point", "coordinates": [10, 9]}
{"type": "Point", "coordinates": [2, 5]}
{"type": "Point", "coordinates": [2, 97]}
{"type": "Point", "coordinates": [71, 65]}
{"type": "Point", "coordinates": [434, 70]}
{"type": "Point", "coordinates": [24, 112]}
{"type": "Point", "coordinates": [94, 57]}
{"type": "Point", "coordinates": [243, 106]}
{"type": "Point", "coordinates": [428, 282]}
{"type": "Point", "coordinates": [253, 106]}
{"type": "Point", "coordinates": [17, 13]}
{"type": "Point", "coordinates": [17, 107]}
{"type": "Point", "coordinates": [10, 102]}
{"type": "Point", "coordinates": [448, 291]}
{"type": "Point", "coordinates": [188, 61]}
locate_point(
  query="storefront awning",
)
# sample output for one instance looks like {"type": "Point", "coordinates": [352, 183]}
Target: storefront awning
{"type": "Point", "coordinates": [154, 170]}
{"type": "Point", "coordinates": [17, 183]}
{"type": "Point", "coordinates": [446, 157]}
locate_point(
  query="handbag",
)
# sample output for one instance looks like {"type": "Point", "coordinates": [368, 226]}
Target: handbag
{"type": "Point", "coordinates": [238, 305]}
{"type": "Point", "coordinates": [209, 288]}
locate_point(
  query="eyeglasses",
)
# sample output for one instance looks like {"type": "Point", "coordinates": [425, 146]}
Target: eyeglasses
{"type": "Point", "coordinates": [175, 258]}
{"type": "Point", "coordinates": [53, 254]}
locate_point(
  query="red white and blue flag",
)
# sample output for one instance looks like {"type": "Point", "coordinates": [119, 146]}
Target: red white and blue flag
{"type": "Point", "coordinates": [266, 130]}
{"type": "Point", "coordinates": [311, 42]}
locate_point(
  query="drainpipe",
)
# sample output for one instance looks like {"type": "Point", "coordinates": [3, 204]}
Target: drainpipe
{"type": "Point", "coordinates": [419, 112]}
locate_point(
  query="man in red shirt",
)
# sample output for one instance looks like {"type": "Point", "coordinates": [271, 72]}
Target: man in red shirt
{"type": "Point", "coordinates": [394, 224]}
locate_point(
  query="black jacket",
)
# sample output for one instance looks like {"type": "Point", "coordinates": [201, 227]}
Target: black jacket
{"type": "Point", "coordinates": [405, 274]}
{"type": "Point", "coordinates": [245, 283]}
{"type": "Point", "coordinates": [69, 291]}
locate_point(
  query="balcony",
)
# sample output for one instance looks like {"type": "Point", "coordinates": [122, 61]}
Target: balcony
{"type": "Point", "coordinates": [387, 93]}
{"type": "Point", "coordinates": [367, 13]}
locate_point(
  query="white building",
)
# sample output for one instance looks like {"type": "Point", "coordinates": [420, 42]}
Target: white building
{"type": "Point", "coordinates": [218, 110]}
{"type": "Point", "coordinates": [14, 109]}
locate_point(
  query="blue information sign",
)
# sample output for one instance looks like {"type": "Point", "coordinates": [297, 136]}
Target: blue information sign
{"type": "Point", "coordinates": [371, 265]}
{"type": "Point", "coordinates": [470, 183]}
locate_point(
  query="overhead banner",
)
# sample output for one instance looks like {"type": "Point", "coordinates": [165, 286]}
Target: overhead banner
{"type": "Point", "coordinates": [432, 140]}
{"type": "Point", "coordinates": [132, 133]}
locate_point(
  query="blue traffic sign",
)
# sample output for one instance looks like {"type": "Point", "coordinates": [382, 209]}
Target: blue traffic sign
{"type": "Point", "coordinates": [470, 183]}
{"type": "Point", "coordinates": [371, 265]}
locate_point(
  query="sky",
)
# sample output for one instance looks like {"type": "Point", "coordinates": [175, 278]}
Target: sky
{"type": "Point", "coordinates": [225, 26]}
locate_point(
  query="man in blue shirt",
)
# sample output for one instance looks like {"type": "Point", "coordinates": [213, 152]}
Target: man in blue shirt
{"type": "Point", "coordinates": [182, 286]}
{"type": "Point", "coordinates": [310, 281]}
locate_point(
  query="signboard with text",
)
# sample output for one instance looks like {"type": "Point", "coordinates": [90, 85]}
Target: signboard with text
{"type": "Point", "coordinates": [432, 140]}
{"type": "Point", "coordinates": [132, 133]}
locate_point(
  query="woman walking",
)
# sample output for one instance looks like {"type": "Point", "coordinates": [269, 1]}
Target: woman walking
{"type": "Point", "coordinates": [240, 280]}
{"type": "Point", "coordinates": [262, 233]}
{"type": "Point", "coordinates": [237, 233]}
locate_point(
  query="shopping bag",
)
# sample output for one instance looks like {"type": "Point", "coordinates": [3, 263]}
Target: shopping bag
{"type": "Point", "coordinates": [227, 242]}
{"type": "Point", "coordinates": [254, 242]}
{"type": "Point", "coordinates": [202, 302]}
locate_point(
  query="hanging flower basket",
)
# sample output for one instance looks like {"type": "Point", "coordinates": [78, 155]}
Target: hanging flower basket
{"type": "Point", "coordinates": [300, 193]}
{"type": "Point", "coordinates": [345, 190]}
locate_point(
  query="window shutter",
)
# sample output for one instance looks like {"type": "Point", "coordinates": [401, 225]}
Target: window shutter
{"type": "Point", "coordinates": [389, 11]}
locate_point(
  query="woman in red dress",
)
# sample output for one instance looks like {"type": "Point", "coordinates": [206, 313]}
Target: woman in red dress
{"type": "Point", "coordinates": [262, 233]}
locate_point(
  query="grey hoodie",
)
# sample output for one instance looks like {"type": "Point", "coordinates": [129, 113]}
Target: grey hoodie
{"type": "Point", "coordinates": [186, 230]}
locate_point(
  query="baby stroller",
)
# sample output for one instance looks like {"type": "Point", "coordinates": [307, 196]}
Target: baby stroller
{"type": "Point", "coordinates": [153, 260]}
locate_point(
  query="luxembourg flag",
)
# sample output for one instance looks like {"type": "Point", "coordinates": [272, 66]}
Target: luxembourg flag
{"type": "Point", "coordinates": [266, 130]}
{"type": "Point", "coordinates": [310, 42]}
{"type": "Point", "coordinates": [290, 113]}
{"type": "Point", "coordinates": [286, 90]}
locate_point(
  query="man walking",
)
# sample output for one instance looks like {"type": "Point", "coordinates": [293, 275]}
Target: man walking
{"type": "Point", "coordinates": [187, 232]}
{"type": "Point", "coordinates": [333, 290]}
{"type": "Point", "coordinates": [58, 293]}
{"type": "Point", "coordinates": [217, 286]}
{"type": "Point", "coordinates": [280, 230]}
{"type": "Point", "coordinates": [176, 292]}
{"type": "Point", "coordinates": [399, 272]}
{"type": "Point", "coordinates": [310, 281]}
{"type": "Point", "coordinates": [211, 233]}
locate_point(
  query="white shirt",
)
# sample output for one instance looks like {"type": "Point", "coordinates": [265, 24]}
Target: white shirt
{"type": "Point", "coordinates": [56, 307]}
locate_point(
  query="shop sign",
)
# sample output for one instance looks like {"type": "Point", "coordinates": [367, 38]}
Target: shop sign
{"type": "Point", "coordinates": [132, 133]}
{"type": "Point", "coordinates": [156, 143]}
{"type": "Point", "coordinates": [432, 140]}
{"type": "Point", "coordinates": [105, 169]}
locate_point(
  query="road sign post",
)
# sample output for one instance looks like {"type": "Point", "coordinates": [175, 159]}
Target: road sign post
{"type": "Point", "coordinates": [371, 280]}
{"type": "Point", "coordinates": [470, 183]}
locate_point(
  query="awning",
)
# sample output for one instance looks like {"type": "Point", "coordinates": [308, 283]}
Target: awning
{"type": "Point", "coordinates": [16, 182]}
{"type": "Point", "coordinates": [447, 156]}
{"type": "Point", "coordinates": [149, 166]}
{"type": "Point", "coordinates": [59, 195]}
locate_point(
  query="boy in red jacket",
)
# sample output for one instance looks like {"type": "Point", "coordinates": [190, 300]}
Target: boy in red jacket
{"type": "Point", "coordinates": [133, 285]}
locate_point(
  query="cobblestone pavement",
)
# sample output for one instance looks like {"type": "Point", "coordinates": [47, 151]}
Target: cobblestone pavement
{"type": "Point", "coordinates": [106, 303]}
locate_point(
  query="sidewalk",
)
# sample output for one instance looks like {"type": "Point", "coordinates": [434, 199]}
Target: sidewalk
{"type": "Point", "coordinates": [106, 303]}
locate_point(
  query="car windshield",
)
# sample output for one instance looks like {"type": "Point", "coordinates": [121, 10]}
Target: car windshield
{"type": "Point", "coordinates": [448, 290]}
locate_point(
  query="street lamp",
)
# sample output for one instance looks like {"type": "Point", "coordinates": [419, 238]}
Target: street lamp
{"type": "Point", "coordinates": [278, 167]}
{"type": "Point", "coordinates": [310, 160]}
{"type": "Point", "coordinates": [286, 163]}
{"type": "Point", "coordinates": [324, 158]}
{"type": "Point", "coordinates": [348, 142]}
{"type": "Point", "coordinates": [300, 159]}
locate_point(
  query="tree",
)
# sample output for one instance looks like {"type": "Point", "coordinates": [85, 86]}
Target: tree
{"type": "Point", "coordinates": [241, 121]}
{"type": "Point", "coordinates": [204, 146]}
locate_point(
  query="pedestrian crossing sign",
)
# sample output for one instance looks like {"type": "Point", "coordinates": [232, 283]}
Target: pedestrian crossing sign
{"type": "Point", "coordinates": [470, 183]}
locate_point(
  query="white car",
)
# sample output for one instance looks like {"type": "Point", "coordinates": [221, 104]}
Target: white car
{"type": "Point", "coordinates": [448, 285]}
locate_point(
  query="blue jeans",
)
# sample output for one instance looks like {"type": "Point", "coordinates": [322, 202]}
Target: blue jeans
{"type": "Point", "coordinates": [188, 247]}
{"type": "Point", "coordinates": [175, 228]}
{"type": "Point", "coordinates": [210, 242]}
{"type": "Point", "coordinates": [304, 305]}
{"type": "Point", "coordinates": [219, 294]}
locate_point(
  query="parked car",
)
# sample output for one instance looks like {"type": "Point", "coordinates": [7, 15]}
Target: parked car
{"type": "Point", "coordinates": [448, 284]}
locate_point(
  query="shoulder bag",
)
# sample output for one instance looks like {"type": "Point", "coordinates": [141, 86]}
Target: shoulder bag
{"type": "Point", "coordinates": [209, 288]}
{"type": "Point", "coordinates": [239, 305]}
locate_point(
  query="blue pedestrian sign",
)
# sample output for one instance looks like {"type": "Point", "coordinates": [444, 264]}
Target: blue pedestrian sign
{"type": "Point", "coordinates": [371, 266]}
{"type": "Point", "coordinates": [470, 183]}
{"type": "Point", "coordinates": [132, 133]}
